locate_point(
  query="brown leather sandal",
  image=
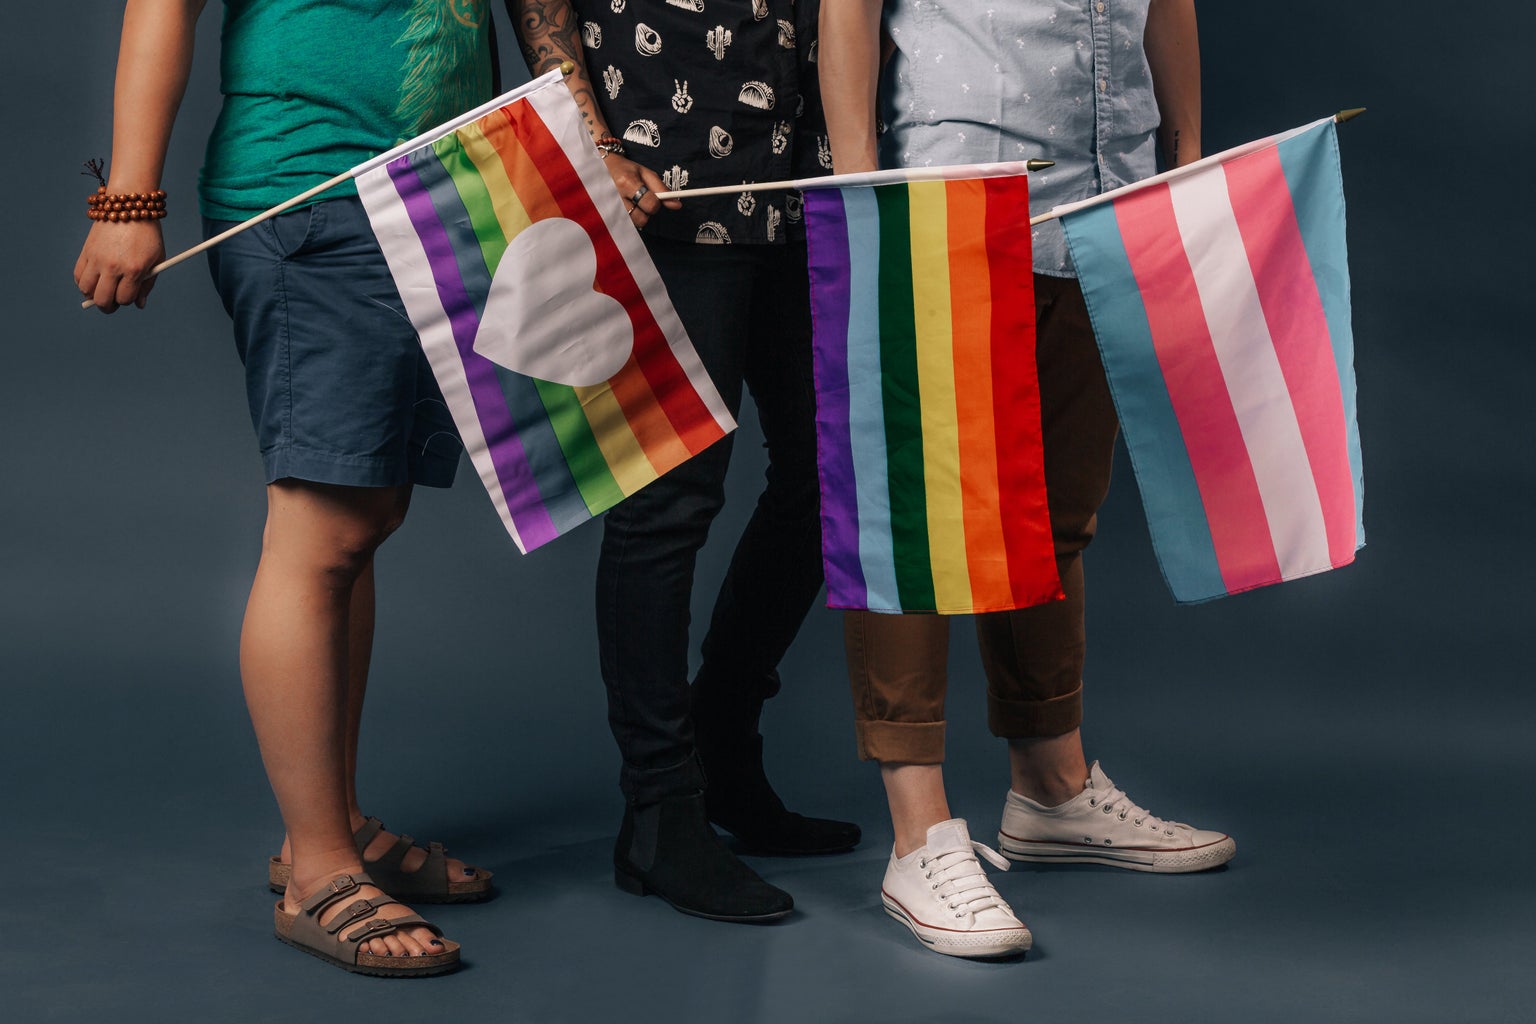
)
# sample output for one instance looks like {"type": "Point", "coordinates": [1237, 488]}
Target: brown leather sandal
{"type": "Point", "coordinates": [427, 884]}
{"type": "Point", "coordinates": [304, 931]}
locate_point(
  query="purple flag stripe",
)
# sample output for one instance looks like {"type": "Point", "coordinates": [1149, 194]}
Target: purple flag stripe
{"type": "Point", "coordinates": [839, 510]}
{"type": "Point", "coordinates": [518, 486]}
{"type": "Point", "coordinates": [557, 489]}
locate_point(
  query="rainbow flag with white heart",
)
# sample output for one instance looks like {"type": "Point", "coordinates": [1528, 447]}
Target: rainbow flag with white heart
{"type": "Point", "coordinates": [1219, 294]}
{"type": "Point", "coordinates": [569, 374]}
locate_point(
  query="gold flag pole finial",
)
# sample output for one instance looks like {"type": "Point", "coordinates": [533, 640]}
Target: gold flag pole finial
{"type": "Point", "coordinates": [567, 68]}
{"type": "Point", "coordinates": [1348, 115]}
{"type": "Point", "coordinates": [1038, 165]}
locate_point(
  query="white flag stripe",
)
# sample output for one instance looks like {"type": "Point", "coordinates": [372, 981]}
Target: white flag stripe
{"type": "Point", "coordinates": [1234, 316]}
{"type": "Point", "coordinates": [412, 271]}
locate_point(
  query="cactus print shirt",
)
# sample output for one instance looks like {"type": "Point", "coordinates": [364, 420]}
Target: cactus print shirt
{"type": "Point", "coordinates": [713, 92]}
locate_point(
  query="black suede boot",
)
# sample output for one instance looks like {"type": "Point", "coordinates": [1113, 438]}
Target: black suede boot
{"type": "Point", "coordinates": [737, 793]}
{"type": "Point", "coordinates": [670, 849]}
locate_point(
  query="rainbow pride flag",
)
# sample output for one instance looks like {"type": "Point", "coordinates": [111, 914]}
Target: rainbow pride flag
{"type": "Point", "coordinates": [569, 374]}
{"type": "Point", "coordinates": [928, 408]}
{"type": "Point", "coordinates": [1220, 298]}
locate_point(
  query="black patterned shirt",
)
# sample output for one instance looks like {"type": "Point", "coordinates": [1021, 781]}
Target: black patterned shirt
{"type": "Point", "coordinates": [713, 92]}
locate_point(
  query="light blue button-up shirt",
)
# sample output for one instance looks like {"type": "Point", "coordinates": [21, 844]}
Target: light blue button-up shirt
{"type": "Point", "coordinates": [977, 81]}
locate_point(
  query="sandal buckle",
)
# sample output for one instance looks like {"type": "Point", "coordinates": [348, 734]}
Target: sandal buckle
{"type": "Point", "coordinates": [374, 927]}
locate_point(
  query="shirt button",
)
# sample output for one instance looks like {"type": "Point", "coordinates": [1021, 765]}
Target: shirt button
{"type": "Point", "coordinates": [1099, 6]}
{"type": "Point", "coordinates": [1103, 85]}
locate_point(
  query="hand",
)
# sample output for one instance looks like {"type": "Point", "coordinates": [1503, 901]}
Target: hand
{"type": "Point", "coordinates": [114, 266]}
{"type": "Point", "coordinates": [638, 185]}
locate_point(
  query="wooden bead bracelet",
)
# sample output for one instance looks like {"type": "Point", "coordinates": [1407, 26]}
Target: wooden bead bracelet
{"type": "Point", "coordinates": [607, 144]}
{"type": "Point", "coordinates": [125, 206]}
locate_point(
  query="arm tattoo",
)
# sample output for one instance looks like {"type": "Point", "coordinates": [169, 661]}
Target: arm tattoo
{"type": "Point", "coordinates": [550, 33]}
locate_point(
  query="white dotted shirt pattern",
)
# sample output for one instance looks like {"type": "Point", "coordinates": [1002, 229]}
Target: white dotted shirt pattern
{"type": "Point", "coordinates": [1073, 87]}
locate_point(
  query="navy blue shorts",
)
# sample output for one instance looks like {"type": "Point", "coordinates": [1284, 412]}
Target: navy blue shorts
{"type": "Point", "coordinates": [339, 389]}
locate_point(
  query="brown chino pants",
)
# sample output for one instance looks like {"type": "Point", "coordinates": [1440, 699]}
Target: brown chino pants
{"type": "Point", "coordinates": [1033, 657]}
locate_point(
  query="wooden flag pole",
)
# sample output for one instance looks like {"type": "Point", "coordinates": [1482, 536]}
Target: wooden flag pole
{"type": "Point", "coordinates": [209, 243]}
{"type": "Point", "coordinates": [1339, 118]}
{"type": "Point", "coordinates": [833, 180]}
{"type": "Point", "coordinates": [566, 69]}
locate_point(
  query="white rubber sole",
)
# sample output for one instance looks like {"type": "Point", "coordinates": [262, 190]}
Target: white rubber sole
{"type": "Point", "coordinates": [994, 942]}
{"type": "Point", "coordinates": [1167, 862]}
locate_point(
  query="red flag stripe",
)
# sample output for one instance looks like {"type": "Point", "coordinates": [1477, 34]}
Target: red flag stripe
{"type": "Point", "coordinates": [689, 417]}
{"type": "Point", "coordinates": [1293, 312]}
{"type": "Point", "coordinates": [1032, 571]}
{"type": "Point", "coordinates": [1197, 390]}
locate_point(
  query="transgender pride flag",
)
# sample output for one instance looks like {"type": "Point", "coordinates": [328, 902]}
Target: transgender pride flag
{"type": "Point", "coordinates": [569, 374]}
{"type": "Point", "coordinates": [1219, 294]}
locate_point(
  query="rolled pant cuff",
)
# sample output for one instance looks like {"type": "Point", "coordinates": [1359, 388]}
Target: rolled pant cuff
{"type": "Point", "coordinates": [1028, 719]}
{"type": "Point", "coordinates": [644, 786]}
{"type": "Point", "coordinates": [901, 742]}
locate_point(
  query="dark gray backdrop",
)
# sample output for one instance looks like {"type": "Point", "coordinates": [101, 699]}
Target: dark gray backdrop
{"type": "Point", "coordinates": [1365, 734]}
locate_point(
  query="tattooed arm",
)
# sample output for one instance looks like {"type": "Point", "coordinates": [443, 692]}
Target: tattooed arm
{"type": "Point", "coordinates": [550, 33]}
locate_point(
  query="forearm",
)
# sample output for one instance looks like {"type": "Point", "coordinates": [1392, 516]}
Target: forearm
{"type": "Point", "coordinates": [1173, 55]}
{"type": "Point", "coordinates": [849, 68]}
{"type": "Point", "coordinates": [153, 62]}
{"type": "Point", "coordinates": [549, 32]}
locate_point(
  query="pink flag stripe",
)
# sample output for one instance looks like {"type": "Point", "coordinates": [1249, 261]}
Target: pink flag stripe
{"type": "Point", "coordinates": [1197, 390]}
{"type": "Point", "coordinates": [1293, 311]}
{"type": "Point", "coordinates": [1229, 299]}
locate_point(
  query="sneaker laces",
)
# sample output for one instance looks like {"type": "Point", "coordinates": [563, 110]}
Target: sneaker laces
{"type": "Point", "coordinates": [1115, 797]}
{"type": "Point", "coordinates": [957, 876]}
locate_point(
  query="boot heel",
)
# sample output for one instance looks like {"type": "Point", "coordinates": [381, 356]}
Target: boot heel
{"type": "Point", "coordinates": [629, 883]}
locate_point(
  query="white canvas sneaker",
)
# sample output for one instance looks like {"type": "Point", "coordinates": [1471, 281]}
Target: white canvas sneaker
{"type": "Point", "coordinates": [941, 892]}
{"type": "Point", "coordinates": [1101, 825]}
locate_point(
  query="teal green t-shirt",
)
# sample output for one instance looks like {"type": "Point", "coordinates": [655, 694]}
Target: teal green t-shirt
{"type": "Point", "coordinates": [314, 87]}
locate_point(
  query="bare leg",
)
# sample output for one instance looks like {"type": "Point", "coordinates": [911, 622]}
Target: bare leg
{"type": "Point", "coordinates": [294, 661]}
{"type": "Point", "coordinates": [915, 793]}
{"type": "Point", "coordinates": [359, 655]}
{"type": "Point", "coordinates": [1050, 770]}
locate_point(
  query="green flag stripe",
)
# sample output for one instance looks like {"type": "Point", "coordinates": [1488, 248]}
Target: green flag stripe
{"type": "Point", "coordinates": [589, 469]}
{"type": "Point", "coordinates": [900, 399]}
{"type": "Point", "coordinates": [598, 487]}
{"type": "Point", "coordinates": [477, 201]}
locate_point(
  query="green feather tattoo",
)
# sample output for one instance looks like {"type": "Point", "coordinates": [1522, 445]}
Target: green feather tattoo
{"type": "Point", "coordinates": [442, 76]}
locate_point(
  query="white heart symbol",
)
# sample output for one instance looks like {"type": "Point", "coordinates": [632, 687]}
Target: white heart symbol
{"type": "Point", "coordinates": [542, 317]}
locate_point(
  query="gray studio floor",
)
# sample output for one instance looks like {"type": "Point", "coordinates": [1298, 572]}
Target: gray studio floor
{"type": "Point", "coordinates": [1379, 877]}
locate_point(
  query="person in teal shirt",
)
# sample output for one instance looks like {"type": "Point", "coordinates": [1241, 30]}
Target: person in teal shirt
{"type": "Point", "coordinates": [347, 415]}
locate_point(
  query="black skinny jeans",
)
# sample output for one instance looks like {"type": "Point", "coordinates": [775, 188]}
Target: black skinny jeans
{"type": "Point", "coordinates": [747, 311]}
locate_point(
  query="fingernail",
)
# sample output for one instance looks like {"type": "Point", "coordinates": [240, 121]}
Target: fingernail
{"type": "Point", "coordinates": [434, 942]}
{"type": "Point", "coordinates": [470, 872]}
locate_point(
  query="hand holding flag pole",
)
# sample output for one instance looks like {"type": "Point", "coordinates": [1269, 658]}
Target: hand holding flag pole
{"type": "Point", "coordinates": [563, 70]}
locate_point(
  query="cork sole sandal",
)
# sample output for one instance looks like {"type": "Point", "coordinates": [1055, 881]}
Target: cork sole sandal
{"type": "Point", "coordinates": [427, 884]}
{"type": "Point", "coordinates": [326, 941]}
